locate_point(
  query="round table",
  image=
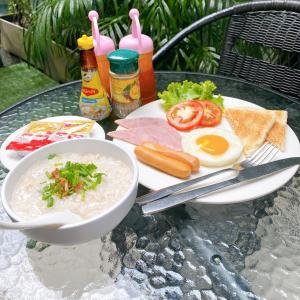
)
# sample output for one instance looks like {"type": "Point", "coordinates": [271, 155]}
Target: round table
{"type": "Point", "coordinates": [242, 251]}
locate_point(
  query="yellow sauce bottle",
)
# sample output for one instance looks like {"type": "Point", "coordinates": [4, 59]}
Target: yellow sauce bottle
{"type": "Point", "coordinates": [124, 81]}
{"type": "Point", "coordinates": [94, 103]}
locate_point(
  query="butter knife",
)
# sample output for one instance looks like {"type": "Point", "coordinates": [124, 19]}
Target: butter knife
{"type": "Point", "coordinates": [176, 187]}
{"type": "Point", "coordinates": [243, 175]}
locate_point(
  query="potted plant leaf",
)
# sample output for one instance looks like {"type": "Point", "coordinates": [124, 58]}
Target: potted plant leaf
{"type": "Point", "coordinates": [12, 24]}
{"type": "Point", "coordinates": [16, 36]}
{"type": "Point", "coordinates": [65, 20]}
{"type": "Point", "coordinates": [54, 26]}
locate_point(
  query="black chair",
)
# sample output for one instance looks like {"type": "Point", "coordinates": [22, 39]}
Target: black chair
{"type": "Point", "coordinates": [271, 26]}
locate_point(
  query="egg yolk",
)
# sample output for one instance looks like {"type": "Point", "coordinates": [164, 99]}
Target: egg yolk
{"type": "Point", "coordinates": [212, 144]}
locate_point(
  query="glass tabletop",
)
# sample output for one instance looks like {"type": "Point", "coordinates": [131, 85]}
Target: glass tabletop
{"type": "Point", "coordinates": [243, 251]}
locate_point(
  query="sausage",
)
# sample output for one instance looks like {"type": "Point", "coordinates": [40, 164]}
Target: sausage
{"type": "Point", "coordinates": [184, 157]}
{"type": "Point", "coordinates": [162, 163]}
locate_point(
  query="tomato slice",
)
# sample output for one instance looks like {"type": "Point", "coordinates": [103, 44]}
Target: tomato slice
{"type": "Point", "coordinates": [185, 115]}
{"type": "Point", "coordinates": [212, 114]}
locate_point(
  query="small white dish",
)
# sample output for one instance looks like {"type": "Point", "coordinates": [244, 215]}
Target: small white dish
{"type": "Point", "coordinates": [155, 180]}
{"type": "Point", "coordinates": [85, 230]}
{"type": "Point", "coordinates": [10, 158]}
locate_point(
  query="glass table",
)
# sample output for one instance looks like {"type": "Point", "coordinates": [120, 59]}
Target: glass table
{"type": "Point", "coordinates": [242, 251]}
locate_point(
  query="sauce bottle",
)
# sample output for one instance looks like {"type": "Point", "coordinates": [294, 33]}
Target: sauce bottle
{"type": "Point", "coordinates": [102, 46]}
{"type": "Point", "coordinates": [94, 103]}
{"type": "Point", "coordinates": [144, 46]}
{"type": "Point", "coordinates": [124, 81]}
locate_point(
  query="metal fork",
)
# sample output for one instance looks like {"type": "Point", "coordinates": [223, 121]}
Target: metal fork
{"type": "Point", "coordinates": [263, 154]}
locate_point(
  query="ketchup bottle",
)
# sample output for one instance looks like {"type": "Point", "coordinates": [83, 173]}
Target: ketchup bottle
{"type": "Point", "coordinates": [103, 45]}
{"type": "Point", "coordinates": [144, 46]}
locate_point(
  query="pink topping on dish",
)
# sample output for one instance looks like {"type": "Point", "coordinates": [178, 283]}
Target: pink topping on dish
{"type": "Point", "coordinates": [141, 122]}
{"type": "Point", "coordinates": [160, 134]}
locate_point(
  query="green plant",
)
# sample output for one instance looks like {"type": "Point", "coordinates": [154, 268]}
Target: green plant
{"type": "Point", "coordinates": [65, 20]}
{"type": "Point", "coordinates": [21, 10]}
{"type": "Point", "coordinates": [54, 20]}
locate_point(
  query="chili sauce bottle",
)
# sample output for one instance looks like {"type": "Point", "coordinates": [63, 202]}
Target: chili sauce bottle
{"type": "Point", "coordinates": [124, 81]}
{"type": "Point", "coordinates": [94, 103]}
{"type": "Point", "coordinates": [102, 46]}
{"type": "Point", "coordinates": [143, 44]}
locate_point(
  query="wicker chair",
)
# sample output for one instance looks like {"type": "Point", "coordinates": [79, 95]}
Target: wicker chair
{"type": "Point", "coordinates": [271, 25]}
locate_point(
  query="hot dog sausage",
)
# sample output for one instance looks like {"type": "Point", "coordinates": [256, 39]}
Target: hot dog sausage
{"type": "Point", "coordinates": [186, 158]}
{"type": "Point", "coordinates": [162, 163]}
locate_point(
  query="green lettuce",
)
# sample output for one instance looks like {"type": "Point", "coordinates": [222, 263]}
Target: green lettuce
{"type": "Point", "coordinates": [187, 90]}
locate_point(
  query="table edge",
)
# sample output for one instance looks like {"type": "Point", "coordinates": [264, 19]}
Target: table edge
{"type": "Point", "coordinates": [2, 113]}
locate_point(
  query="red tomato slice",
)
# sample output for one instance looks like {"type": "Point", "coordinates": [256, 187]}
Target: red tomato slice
{"type": "Point", "coordinates": [185, 115]}
{"type": "Point", "coordinates": [212, 114]}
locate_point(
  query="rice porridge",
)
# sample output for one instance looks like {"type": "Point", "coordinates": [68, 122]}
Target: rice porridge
{"type": "Point", "coordinates": [28, 200]}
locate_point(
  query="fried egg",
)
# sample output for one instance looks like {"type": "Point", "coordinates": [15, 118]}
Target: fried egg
{"type": "Point", "coordinates": [214, 147]}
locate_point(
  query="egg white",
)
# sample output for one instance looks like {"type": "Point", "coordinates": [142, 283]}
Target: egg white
{"type": "Point", "coordinates": [230, 156]}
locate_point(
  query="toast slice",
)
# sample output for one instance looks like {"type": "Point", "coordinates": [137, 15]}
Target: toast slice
{"type": "Point", "coordinates": [276, 135]}
{"type": "Point", "coordinates": [251, 125]}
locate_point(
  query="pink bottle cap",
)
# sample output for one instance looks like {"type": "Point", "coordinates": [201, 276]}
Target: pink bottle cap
{"type": "Point", "coordinates": [136, 41]}
{"type": "Point", "coordinates": [102, 44]}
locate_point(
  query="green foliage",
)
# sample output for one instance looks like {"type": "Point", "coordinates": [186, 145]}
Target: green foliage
{"type": "Point", "coordinates": [60, 20]}
{"type": "Point", "coordinates": [267, 54]}
{"type": "Point", "coordinates": [66, 20]}
{"type": "Point", "coordinates": [22, 10]}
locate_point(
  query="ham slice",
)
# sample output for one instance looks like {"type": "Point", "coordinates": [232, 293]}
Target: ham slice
{"type": "Point", "coordinates": [141, 122]}
{"type": "Point", "coordinates": [164, 135]}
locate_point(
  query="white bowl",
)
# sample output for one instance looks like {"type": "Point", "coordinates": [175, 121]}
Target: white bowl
{"type": "Point", "coordinates": [88, 229]}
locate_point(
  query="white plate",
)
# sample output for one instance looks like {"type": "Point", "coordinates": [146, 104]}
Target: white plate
{"type": "Point", "coordinates": [10, 158]}
{"type": "Point", "coordinates": [154, 179]}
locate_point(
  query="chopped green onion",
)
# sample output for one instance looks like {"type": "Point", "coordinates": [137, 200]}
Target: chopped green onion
{"type": "Point", "coordinates": [50, 202]}
{"type": "Point", "coordinates": [69, 179]}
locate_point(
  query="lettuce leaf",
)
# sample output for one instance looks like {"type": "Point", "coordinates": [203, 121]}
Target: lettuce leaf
{"type": "Point", "coordinates": [218, 100]}
{"type": "Point", "coordinates": [187, 90]}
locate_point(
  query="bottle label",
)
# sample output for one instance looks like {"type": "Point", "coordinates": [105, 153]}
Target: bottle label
{"type": "Point", "coordinates": [90, 101]}
{"type": "Point", "coordinates": [125, 90]}
{"type": "Point", "coordinates": [95, 109]}
{"type": "Point", "coordinates": [94, 103]}
{"type": "Point", "coordinates": [89, 91]}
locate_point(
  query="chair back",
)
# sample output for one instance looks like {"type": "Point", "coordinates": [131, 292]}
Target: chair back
{"type": "Point", "coordinates": [264, 47]}
{"type": "Point", "coordinates": [270, 29]}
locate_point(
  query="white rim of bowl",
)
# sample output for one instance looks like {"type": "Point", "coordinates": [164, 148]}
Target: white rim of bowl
{"type": "Point", "coordinates": [133, 161]}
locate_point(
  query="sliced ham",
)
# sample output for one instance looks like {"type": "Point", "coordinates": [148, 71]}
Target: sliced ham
{"type": "Point", "coordinates": [141, 122]}
{"type": "Point", "coordinates": [163, 135]}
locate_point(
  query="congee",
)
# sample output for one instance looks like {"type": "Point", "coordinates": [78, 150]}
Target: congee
{"type": "Point", "coordinates": [86, 185]}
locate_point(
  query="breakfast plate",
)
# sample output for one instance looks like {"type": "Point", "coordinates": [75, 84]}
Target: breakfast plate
{"type": "Point", "coordinates": [155, 180]}
{"type": "Point", "coordinates": [10, 158]}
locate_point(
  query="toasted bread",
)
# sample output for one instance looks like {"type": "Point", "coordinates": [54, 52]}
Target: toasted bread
{"type": "Point", "coordinates": [251, 125]}
{"type": "Point", "coordinates": [276, 135]}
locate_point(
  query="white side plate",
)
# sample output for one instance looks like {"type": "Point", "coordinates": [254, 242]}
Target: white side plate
{"type": "Point", "coordinates": [10, 158]}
